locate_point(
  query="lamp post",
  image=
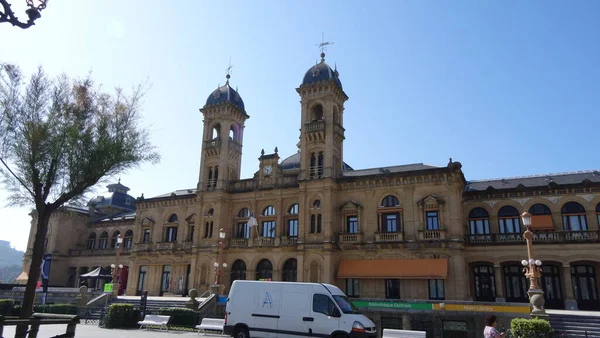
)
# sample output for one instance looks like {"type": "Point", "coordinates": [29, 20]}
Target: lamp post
{"type": "Point", "coordinates": [219, 265]}
{"type": "Point", "coordinates": [33, 12]}
{"type": "Point", "coordinates": [116, 267]}
{"type": "Point", "coordinates": [533, 272]}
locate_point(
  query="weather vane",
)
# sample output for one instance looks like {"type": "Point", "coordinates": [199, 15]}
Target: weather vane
{"type": "Point", "coordinates": [229, 70]}
{"type": "Point", "coordinates": [323, 45]}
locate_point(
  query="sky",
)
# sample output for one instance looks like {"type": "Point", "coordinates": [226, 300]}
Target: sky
{"type": "Point", "coordinates": [508, 88]}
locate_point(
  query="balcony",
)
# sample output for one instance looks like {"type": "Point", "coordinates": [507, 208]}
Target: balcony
{"type": "Point", "coordinates": [350, 238]}
{"type": "Point", "coordinates": [432, 235]}
{"type": "Point", "coordinates": [212, 144]}
{"type": "Point", "coordinates": [385, 237]}
{"type": "Point", "coordinates": [165, 246]}
{"type": "Point", "coordinates": [235, 146]}
{"type": "Point", "coordinates": [186, 245]}
{"type": "Point", "coordinates": [315, 126]}
{"type": "Point", "coordinates": [264, 241]}
{"type": "Point", "coordinates": [289, 241]}
{"type": "Point", "coordinates": [238, 242]}
{"type": "Point", "coordinates": [143, 247]}
{"type": "Point", "coordinates": [539, 237]}
{"type": "Point", "coordinates": [93, 252]}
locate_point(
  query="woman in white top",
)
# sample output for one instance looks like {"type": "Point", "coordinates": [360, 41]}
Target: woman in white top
{"type": "Point", "coordinates": [490, 330]}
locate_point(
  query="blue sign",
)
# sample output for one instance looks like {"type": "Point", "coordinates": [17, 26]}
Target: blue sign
{"type": "Point", "coordinates": [221, 300]}
{"type": "Point", "coordinates": [45, 271]}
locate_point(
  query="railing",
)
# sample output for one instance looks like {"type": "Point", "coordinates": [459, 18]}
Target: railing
{"type": "Point", "coordinates": [165, 246]}
{"type": "Point", "coordinates": [216, 143]}
{"type": "Point", "coordinates": [289, 241]}
{"type": "Point", "coordinates": [350, 238]}
{"type": "Point", "coordinates": [38, 319]}
{"type": "Point", "coordinates": [539, 237]}
{"type": "Point", "coordinates": [92, 252]}
{"type": "Point", "coordinates": [235, 146]}
{"type": "Point", "coordinates": [432, 235]}
{"type": "Point", "coordinates": [143, 247]}
{"type": "Point", "coordinates": [185, 245]}
{"type": "Point", "coordinates": [389, 236]}
{"type": "Point", "coordinates": [238, 242]}
{"type": "Point", "coordinates": [315, 126]}
{"type": "Point", "coordinates": [264, 241]}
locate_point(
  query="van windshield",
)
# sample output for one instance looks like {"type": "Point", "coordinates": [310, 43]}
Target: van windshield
{"type": "Point", "coordinates": [345, 305]}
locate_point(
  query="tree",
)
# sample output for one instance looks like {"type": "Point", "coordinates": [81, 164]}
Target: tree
{"type": "Point", "coordinates": [58, 138]}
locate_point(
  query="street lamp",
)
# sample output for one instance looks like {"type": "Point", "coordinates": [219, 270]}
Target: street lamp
{"type": "Point", "coordinates": [532, 269]}
{"type": "Point", "coordinates": [218, 264]}
{"type": "Point", "coordinates": [33, 12]}
{"type": "Point", "coordinates": [118, 249]}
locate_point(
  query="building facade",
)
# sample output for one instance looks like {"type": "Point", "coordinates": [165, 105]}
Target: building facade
{"type": "Point", "coordinates": [407, 232]}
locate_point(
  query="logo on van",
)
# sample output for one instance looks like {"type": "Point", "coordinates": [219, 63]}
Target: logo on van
{"type": "Point", "coordinates": [267, 300]}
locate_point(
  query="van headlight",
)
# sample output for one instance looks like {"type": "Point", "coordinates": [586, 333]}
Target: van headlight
{"type": "Point", "coordinates": [358, 327]}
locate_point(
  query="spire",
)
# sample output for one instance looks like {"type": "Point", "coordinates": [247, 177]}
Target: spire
{"type": "Point", "coordinates": [228, 76]}
{"type": "Point", "coordinates": [323, 46]}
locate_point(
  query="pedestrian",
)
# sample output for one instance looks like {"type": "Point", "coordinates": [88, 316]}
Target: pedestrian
{"type": "Point", "coordinates": [490, 330]}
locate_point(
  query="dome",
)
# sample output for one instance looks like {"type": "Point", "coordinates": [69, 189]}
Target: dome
{"type": "Point", "coordinates": [321, 72]}
{"type": "Point", "coordinates": [293, 162]}
{"type": "Point", "coordinates": [225, 94]}
{"type": "Point", "coordinates": [115, 197]}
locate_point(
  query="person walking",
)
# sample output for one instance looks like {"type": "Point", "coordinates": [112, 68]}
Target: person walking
{"type": "Point", "coordinates": [490, 330]}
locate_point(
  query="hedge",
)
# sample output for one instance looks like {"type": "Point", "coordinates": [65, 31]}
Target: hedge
{"type": "Point", "coordinates": [122, 316]}
{"type": "Point", "coordinates": [61, 309]}
{"type": "Point", "coordinates": [182, 317]}
{"type": "Point", "coordinates": [530, 328]}
{"type": "Point", "coordinates": [6, 307]}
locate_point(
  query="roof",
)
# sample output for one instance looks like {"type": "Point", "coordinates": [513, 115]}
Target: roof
{"type": "Point", "coordinates": [177, 193]}
{"type": "Point", "coordinates": [389, 170]}
{"type": "Point", "coordinates": [293, 162]}
{"type": "Point", "coordinates": [225, 94]}
{"type": "Point", "coordinates": [125, 216]}
{"type": "Point", "coordinates": [115, 197]}
{"type": "Point", "coordinates": [567, 178]}
{"type": "Point", "coordinates": [321, 72]}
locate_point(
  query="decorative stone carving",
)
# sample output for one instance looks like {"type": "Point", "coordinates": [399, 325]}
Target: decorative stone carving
{"type": "Point", "coordinates": [553, 199]}
{"type": "Point", "coordinates": [588, 197]}
{"type": "Point", "coordinates": [522, 201]}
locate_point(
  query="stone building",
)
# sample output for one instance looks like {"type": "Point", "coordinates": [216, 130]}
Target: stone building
{"type": "Point", "coordinates": [406, 232]}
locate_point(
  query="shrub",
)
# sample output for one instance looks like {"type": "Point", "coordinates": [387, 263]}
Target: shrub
{"type": "Point", "coordinates": [16, 311]}
{"type": "Point", "coordinates": [6, 307]}
{"type": "Point", "coordinates": [530, 328]}
{"type": "Point", "coordinates": [182, 317]}
{"type": "Point", "coordinates": [62, 309]}
{"type": "Point", "coordinates": [122, 316]}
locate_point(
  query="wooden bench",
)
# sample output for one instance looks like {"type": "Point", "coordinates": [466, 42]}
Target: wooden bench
{"type": "Point", "coordinates": [155, 320]}
{"type": "Point", "coordinates": [389, 333]}
{"type": "Point", "coordinates": [211, 324]}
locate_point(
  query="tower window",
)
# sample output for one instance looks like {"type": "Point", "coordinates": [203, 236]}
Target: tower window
{"type": "Point", "coordinates": [216, 131]}
{"type": "Point", "coordinates": [316, 113]}
{"type": "Point", "coordinates": [316, 165]}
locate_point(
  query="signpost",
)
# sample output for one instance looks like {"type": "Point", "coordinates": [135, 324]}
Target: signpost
{"type": "Point", "coordinates": [143, 303]}
{"type": "Point", "coordinates": [108, 288]}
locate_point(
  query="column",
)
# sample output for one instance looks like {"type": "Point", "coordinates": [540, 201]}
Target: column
{"type": "Point", "coordinates": [499, 283]}
{"type": "Point", "coordinates": [569, 295]}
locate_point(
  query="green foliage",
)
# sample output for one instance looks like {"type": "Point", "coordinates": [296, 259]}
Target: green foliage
{"type": "Point", "coordinates": [182, 317]}
{"type": "Point", "coordinates": [62, 309]}
{"type": "Point", "coordinates": [6, 307]}
{"type": "Point", "coordinates": [534, 327]}
{"type": "Point", "coordinates": [122, 316]}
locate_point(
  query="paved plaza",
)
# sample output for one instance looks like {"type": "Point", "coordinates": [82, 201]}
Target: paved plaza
{"type": "Point", "coordinates": [93, 331]}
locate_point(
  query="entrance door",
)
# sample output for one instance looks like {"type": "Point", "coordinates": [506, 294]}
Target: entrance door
{"type": "Point", "coordinates": [552, 286]}
{"type": "Point", "coordinates": [515, 284]}
{"type": "Point", "coordinates": [485, 286]}
{"type": "Point", "coordinates": [585, 287]}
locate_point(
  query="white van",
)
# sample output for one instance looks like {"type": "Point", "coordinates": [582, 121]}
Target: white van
{"type": "Point", "coordinates": [286, 310]}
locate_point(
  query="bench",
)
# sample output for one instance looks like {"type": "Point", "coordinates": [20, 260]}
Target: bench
{"type": "Point", "coordinates": [155, 320]}
{"type": "Point", "coordinates": [211, 324]}
{"type": "Point", "coordinates": [389, 333]}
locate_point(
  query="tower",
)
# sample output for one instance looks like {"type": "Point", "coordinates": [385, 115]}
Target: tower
{"type": "Point", "coordinates": [222, 138]}
{"type": "Point", "coordinates": [322, 125]}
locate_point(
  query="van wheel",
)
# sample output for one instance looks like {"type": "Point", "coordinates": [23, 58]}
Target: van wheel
{"type": "Point", "coordinates": [241, 332]}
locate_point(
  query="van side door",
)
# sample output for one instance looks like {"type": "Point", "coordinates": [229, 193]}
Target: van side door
{"type": "Point", "coordinates": [325, 316]}
{"type": "Point", "coordinates": [294, 311]}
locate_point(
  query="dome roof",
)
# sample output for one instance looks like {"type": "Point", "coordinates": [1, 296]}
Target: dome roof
{"type": "Point", "coordinates": [321, 72]}
{"type": "Point", "coordinates": [225, 94]}
{"type": "Point", "coordinates": [115, 197]}
{"type": "Point", "coordinates": [293, 162]}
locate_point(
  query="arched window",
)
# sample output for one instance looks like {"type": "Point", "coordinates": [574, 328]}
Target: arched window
{"type": "Point", "coordinates": [316, 204]}
{"type": "Point", "coordinates": [598, 213]}
{"type": "Point", "coordinates": [316, 113]}
{"type": "Point", "coordinates": [268, 223]}
{"type": "Point", "coordinates": [508, 218]}
{"type": "Point", "coordinates": [316, 220]}
{"type": "Point", "coordinates": [238, 270]}
{"type": "Point", "coordinates": [585, 286]}
{"type": "Point", "coordinates": [484, 283]}
{"type": "Point", "coordinates": [539, 209]}
{"type": "Point", "coordinates": [292, 221]}
{"type": "Point", "coordinates": [103, 243]}
{"type": "Point", "coordinates": [290, 268]}
{"type": "Point", "coordinates": [264, 270]}
{"type": "Point", "coordinates": [552, 276]}
{"type": "Point", "coordinates": [479, 221]}
{"type": "Point", "coordinates": [232, 133]}
{"type": "Point", "coordinates": [390, 201]}
{"type": "Point", "coordinates": [113, 242]}
{"type": "Point", "coordinates": [320, 163]}
{"type": "Point", "coordinates": [173, 218]}
{"type": "Point", "coordinates": [211, 212]}
{"type": "Point", "coordinates": [91, 243]}
{"type": "Point", "coordinates": [515, 284]}
{"type": "Point", "coordinates": [216, 131]}
{"type": "Point", "coordinates": [242, 229]}
{"type": "Point", "coordinates": [390, 216]}
{"type": "Point", "coordinates": [128, 240]}
{"type": "Point", "coordinates": [573, 216]}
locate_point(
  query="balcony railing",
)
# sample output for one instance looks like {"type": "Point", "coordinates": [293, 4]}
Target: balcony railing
{"type": "Point", "coordinates": [212, 144]}
{"type": "Point", "coordinates": [539, 237]}
{"type": "Point", "coordinates": [264, 241]}
{"type": "Point", "coordinates": [185, 245]}
{"type": "Point", "coordinates": [315, 126]}
{"type": "Point", "coordinates": [143, 247]}
{"type": "Point", "coordinates": [238, 242]}
{"type": "Point", "coordinates": [165, 246]}
{"type": "Point", "coordinates": [432, 235]}
{"type": "Point", "coordinates": [289, 241]}
{"type": "Point", "coordinates": [389, 237]}
{"type": "Point", "coordinates": [350, 238]}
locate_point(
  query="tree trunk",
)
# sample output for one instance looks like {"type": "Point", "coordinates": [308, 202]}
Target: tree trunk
{"type": "Point", "coordinates": [34, 269]}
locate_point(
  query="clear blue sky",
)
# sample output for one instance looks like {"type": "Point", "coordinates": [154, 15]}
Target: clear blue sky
{"type": "Point", "coordinates": [507, 88]}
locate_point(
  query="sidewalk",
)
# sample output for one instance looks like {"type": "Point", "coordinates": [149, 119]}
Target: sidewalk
{"type": "Point", "coordinates": [93, 331]}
